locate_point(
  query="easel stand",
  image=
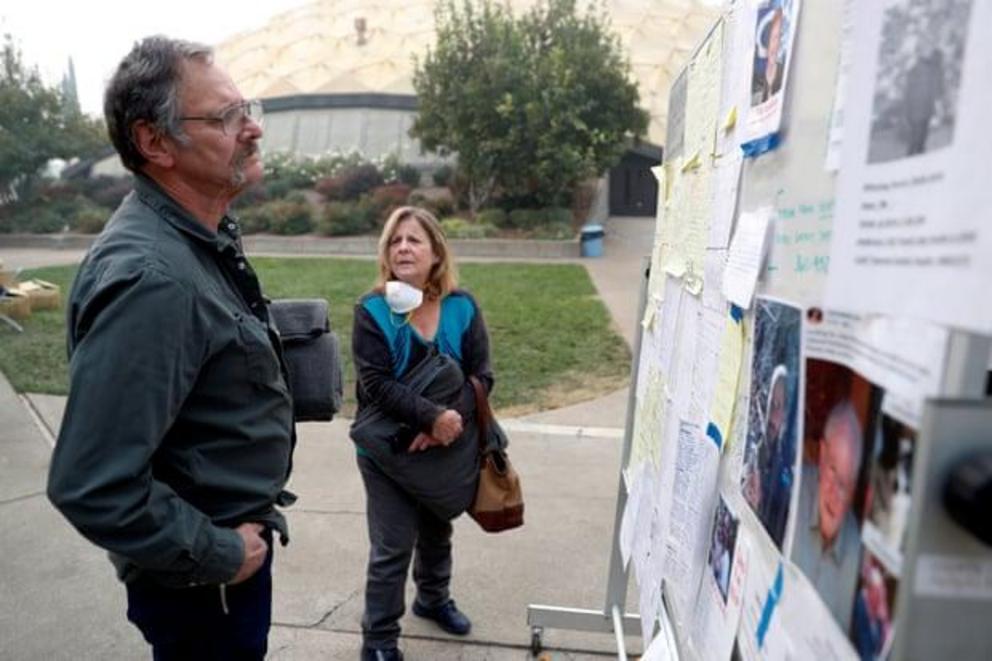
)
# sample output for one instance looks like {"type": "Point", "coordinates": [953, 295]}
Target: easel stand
{"type": "Point", "coordinates": [611, 619]}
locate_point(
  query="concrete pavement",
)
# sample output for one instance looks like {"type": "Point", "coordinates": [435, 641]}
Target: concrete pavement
{"type": "Point", "coordinates": [61, 601]}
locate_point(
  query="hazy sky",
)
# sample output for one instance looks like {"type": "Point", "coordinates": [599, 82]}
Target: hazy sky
{"type": "Point", "coordinates": [99, 33]}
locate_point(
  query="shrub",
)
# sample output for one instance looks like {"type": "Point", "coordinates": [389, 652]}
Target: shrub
{"type": "Point", "coordinates": [289, 216]}
{"type": "Point", "coordinates": [108, 191]}
{"type": "Point", "coordinates": [90, 220]}
{"type": "Point", "coordinates": [56, 210]}
{"type": "Point", "coordinates": [442, 175]}
{"type": "Point", "coordinates": [459, 228]}
{"type": "Point", "coordinates": [556, 216]}
{"type": "Point", "coordinates": [442, 206]}
{"type": "Point", "coordinates": [522, 218]}
{"type": "Point", "coordinates": [553, 231]}
{"type": "Point", "coordinates": [278, 188]}
{"type": "Point", "coordinates": [409, 175]}
{"type": "Point", "coordinates": [330, 187]}
{"type": "Point", "coordinates": [358, 180]}
{"type": "Point", "coordinates": [440, 203]}
{"type": "Point", "coordinates": [253, 219]}
{"type": "Point", "coordinates": [250, 198]}
{"type": "Point", "coordinates": [333, 163]}
{"type": "Point", "coordinates": [534, 218]}
{"type": "Point", "coordinates": [285, 172]}
{"type": "Point", "coordinates": [347, 218]}
{"type": "Point", "coordinates": [39, 219]}
{"type": "Point", "coordinates": [493, 216]}
{"type": "Point", "coordinates": [395, 172]}
{"type": "Point", "coordinates": [387, 197]}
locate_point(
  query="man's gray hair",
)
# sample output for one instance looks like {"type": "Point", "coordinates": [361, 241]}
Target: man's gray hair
{"type": "Point", "coordinates": [145, 87]}
{"type": "Point", "coordinates": [843, 413]}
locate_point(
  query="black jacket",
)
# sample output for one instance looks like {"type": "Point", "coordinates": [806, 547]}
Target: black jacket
{"type": "Point", "coordinates": [178, 425]}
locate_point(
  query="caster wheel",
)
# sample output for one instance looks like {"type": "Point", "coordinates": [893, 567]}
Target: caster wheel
{"type": "Point", "coordinates": [535, 641]}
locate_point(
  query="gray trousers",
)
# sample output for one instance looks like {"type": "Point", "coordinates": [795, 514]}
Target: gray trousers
{"type": "Point", "coordinates": [398, 525]}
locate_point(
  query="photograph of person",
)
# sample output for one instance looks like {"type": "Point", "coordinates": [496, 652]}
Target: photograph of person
{"type": "Point", "coordinates": [771, 41]}
{"type": "Point", "coordinates": [840, 416]}
{"type": "Point", "coordinates": [888, 497]}
{"type": "Point", "coordinates": [770, 449]}
{"type": "Point", "coordinates": [871, 622]}
{"type": "Point", "coordinates": [722, 546]}
{"type": "Point", "coordinates": [919, 73]}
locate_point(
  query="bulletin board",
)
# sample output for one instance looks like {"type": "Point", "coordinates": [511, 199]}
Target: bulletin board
{"type": "Point", "coordinates": [785, 353]}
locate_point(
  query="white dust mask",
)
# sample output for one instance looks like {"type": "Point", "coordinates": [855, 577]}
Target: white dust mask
{"type": "Point", "coordinates": [402, 298]}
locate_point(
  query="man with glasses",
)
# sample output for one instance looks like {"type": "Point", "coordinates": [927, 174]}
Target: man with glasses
{"type": "Point", "coordinates": [827, 538]}
{"type": "Point", "coordinates": [177, 437]}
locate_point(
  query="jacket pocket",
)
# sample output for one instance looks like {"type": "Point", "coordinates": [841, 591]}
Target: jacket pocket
{"type": "Point", "coordinates": [261, 359]}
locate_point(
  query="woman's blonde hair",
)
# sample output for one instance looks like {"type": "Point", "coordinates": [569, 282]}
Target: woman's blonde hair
{"type": "Point", "coordinates": [443, 277]}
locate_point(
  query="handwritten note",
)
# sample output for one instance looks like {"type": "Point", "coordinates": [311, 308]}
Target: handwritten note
{"type": "Point", "coordinates": [669, 337]}
{"type": "Point", "coordinates": [725, 393]}
{"type": "Point", "coordinates": [705, 361]}
{"type": "Point", "coordinates": [649, 420]}
{"type": "Point", "coordinates": [713, 267]}
{"type": "Point", "coordinates": [747, 251]}
{"type": "Point", "coordinates": [836, 136]}
{"type": "Point", "coordinates": [690, 210]}
{"type": "Point", "coordinates": [725, 194]}
{"type": "Point", "coordinates": [696, 467]}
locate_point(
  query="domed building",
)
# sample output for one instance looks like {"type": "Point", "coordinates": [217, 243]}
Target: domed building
{"type": "Point", "coordinates": [337, 75]}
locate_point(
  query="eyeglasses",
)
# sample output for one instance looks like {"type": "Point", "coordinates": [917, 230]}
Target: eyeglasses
{"type": "Point", "coordinates": [233, 119]}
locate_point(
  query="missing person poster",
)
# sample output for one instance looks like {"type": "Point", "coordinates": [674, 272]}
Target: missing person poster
{"type": "Point", "coordinates": [890, 483]}
{"type": "Point", "coordinates": [768, 474]}
{"type": "Point", "coordinates": [911, 235]}
{"type": "Point", "coordinates": [774, 34]}
{"type": "Point", "coordinates": [841, 419]}
{"type": "Point", "coordinates": [720, 597]}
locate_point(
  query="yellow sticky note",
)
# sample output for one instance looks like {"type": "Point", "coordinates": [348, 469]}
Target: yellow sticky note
{"type": "Point", "coordinates": [692, 163]}
{"type": "Point", "coordinates": [725, 394]}
{"type": "Point", "coordinates": [649, 422]}
{"type": "Point", "coordinates": [731, 119]}
{"type": "Point", "coordinates": [647, 323]}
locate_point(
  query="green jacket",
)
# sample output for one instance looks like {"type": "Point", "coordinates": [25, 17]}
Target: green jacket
{"type": "Point", "coordinates": [179, 425]}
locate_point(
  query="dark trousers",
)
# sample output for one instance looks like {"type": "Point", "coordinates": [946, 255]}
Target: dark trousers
{"type": "Point", "coordinates": [399, 526]}
{"type": "Point", "coordinates": [191, 623]}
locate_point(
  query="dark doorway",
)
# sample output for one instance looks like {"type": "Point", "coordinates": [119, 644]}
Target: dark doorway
{"type": "Point", "coordinates": [633, 189]}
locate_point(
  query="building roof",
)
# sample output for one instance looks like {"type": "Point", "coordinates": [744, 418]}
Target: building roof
{"type": "Point", "coordinates": [331, 47]}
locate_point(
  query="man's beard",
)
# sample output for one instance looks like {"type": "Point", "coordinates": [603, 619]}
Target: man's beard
{"type": "Point", "coordinates": [238, 176]}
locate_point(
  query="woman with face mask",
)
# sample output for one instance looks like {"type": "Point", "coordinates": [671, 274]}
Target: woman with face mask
{"type": "Point", "coordinates": [414, 310]}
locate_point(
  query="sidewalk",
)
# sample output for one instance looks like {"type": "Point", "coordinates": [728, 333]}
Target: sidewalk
{"type": "Point", "coordinates": [61, 601]}
{"type": "Point", "coordinates": [60, 596]}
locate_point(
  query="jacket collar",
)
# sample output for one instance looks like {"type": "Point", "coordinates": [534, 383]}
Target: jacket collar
{"type": "Point", "coordinates": [177, 216]}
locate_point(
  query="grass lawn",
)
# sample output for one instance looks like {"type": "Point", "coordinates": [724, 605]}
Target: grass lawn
{"type": "Point", "coordinates": [552, 342]}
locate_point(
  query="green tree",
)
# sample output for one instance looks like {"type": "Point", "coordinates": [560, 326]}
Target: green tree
{"type": "Point", "coordinates": [531, 105]}
{"type": "Point", "coordinates": [37, 124]}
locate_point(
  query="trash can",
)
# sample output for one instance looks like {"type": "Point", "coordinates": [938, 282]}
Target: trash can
{"type": "Point", "coordinates": [591, 240]}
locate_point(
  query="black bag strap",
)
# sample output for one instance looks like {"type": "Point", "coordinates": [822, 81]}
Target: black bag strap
{"type": "Point", "coordinates": [483, 413]}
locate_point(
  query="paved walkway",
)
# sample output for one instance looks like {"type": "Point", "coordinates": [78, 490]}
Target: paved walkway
{"type": "Point", "coordinates": [60, 600]}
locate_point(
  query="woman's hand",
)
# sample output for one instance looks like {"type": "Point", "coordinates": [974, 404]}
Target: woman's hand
{"type": "Point", "coordinates": [447, 426]}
